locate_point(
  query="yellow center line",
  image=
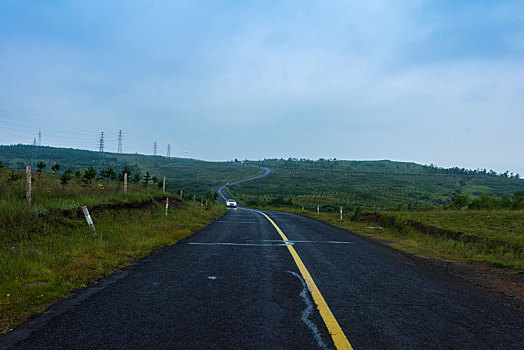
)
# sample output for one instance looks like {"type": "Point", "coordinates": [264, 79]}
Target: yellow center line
{"type": "Point", "coordinates": [337, 334]}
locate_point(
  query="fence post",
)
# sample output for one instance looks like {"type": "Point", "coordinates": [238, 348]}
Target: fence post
{"type": "Point", "coordinates": [125, 182]}
{"type": "Point", "coordinates": [164, 185]}
{"type": "Point", "coordinates": [201, 203]}
{"type": "Point", "coordinates": [167, 205]}
{"type": "Point", "coordinates": [180, 194]}
{"type": "Point", "coordinates": [340, 213]}
{"type": "Point", "coordinates": [318, 209]}
{"type": "Point", "coordinates": [89, 220]}
{"type": "Point", "coordinates": [28, 186]}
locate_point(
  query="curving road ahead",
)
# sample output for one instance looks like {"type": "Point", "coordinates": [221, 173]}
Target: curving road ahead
{"type": "Point", "coordinates": [237, 284]}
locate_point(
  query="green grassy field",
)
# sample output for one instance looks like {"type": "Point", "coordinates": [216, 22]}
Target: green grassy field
{"type": "Point", "coordinates": [371, 184]}
{"type": "Point", "coordinates": [47, 250]}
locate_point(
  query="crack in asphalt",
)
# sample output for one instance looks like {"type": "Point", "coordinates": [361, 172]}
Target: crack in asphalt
{"type": "Point", "coordinates": [308, 310]}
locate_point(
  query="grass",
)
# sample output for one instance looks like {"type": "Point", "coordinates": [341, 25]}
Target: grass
{"type": "Point", "coordinates": [505, 225]}
{"type": "Point", "coordinates": [46, 251]}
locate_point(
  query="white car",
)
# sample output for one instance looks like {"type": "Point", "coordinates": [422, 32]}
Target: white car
{"type": "Point", "coordinates": [231, 203]}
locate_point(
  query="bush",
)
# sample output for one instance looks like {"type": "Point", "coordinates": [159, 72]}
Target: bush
{"type": "Point", "coordinates": [459, 201]}
{"type": "Point", "coordinates": [356, 213]}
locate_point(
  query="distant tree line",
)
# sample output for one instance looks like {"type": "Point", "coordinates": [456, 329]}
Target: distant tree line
{"type": "Point", "coordinates": [485, 201]}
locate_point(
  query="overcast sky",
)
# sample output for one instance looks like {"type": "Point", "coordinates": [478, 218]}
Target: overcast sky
{"type": "Point", "coordinates": [426, 81]}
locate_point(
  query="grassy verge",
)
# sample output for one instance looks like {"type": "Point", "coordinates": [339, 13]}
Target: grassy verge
{"type": "Point", "coordinates": [499, 233]}
{"type": "Point", "coordinates": [46, 268]}
{"type": "Point", "coordinates": [47, 250]}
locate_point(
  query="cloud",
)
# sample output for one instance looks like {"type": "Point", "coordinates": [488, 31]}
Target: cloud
{"type": "Point", "coordinates": [431, 81]}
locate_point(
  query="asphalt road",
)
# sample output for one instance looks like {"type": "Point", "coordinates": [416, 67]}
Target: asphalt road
{"type": "Point", "coordinates": [236, 285]}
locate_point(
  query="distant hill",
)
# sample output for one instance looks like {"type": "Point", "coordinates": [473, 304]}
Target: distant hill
{"type": "Point", "coordinates": [374, 184]}
{"type": "Point", "coordinates": [189, 175]}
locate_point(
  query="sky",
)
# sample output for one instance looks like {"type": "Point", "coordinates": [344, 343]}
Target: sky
{"type": "Point", "coordinates": [438, 82]}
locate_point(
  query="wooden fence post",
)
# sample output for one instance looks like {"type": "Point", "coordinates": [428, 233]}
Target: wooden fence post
{"type": "Point", "coordinates": [164, 185]}
{"type": "Point", "coordinates": [125, 182]}
{"type": "Point", "coordinates": [28, 185]}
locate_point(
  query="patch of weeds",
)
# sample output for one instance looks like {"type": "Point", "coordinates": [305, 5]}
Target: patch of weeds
{"type": "Point", "coordinates": [501, 265]}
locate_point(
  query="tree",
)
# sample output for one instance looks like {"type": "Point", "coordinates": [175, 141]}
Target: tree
{"type": "Point", "coordinates": [458, 200]}
{"type": "Point", "coordinates": [89, 175]}
{"type": "Point", "coordinates": [518, 200]}
{"type": "Point", "coordinates": [40, 166]}
{"type": "Point", "coordinates": [146, 179]}
{"type": "Point", "coordinates": [12, 177]}
{"type": "Point", "coordinates": [112, 174]}
{"type": "Point", "coordinates": [485, 201]}
{"type": "Point", "coordinates": [505, 201]}
{"type": "Point", "coordinates": [55, 168]}
{"type": "Point", "coordinates": [66, 176]}
{"type": "Point", "coordinates": [1, 164]}
{"type": "Point", "coordinates": [108, 174]}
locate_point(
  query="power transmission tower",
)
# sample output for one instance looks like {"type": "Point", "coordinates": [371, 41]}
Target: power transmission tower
{"type": "Point", "coordinates": [34, 141]}
{"type": "Point", "coordinates": [168, 150]}
{"type": "Point", "coordinates": [119, 141]}
{"type": "Point", "coordinates": [154, 149]}
{"type": "Point", "coordinates": [39, 138]}
{"type": "Point", "coordinates": [101, 145]}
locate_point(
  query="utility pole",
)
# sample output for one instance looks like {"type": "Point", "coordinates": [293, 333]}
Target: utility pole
{"type": "Point", "coordinates": [39, 138]}
{"type": "Point", "coordinates": [101, 143]}
{"type": "Point", "coordinates": [154, 149]}
{"type": "Point", "coordinates": [119, 141]}
{"type": "Point", "coordinates": [168, 150]}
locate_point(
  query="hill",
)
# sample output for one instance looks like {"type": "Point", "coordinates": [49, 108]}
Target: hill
{"type": "Point", "coordinates": [373, 184]}
{"type": "Point", "coordinates": [192, 176]}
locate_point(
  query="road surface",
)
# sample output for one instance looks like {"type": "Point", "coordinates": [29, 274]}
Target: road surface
{"type": "Point", "coordinates": [237, 285]}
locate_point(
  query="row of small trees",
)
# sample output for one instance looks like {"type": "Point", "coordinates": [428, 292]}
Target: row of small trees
{"type": "Point", "coordinates": [485, 201]}
{"type": "Point", "coordinates": [88, 175]}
